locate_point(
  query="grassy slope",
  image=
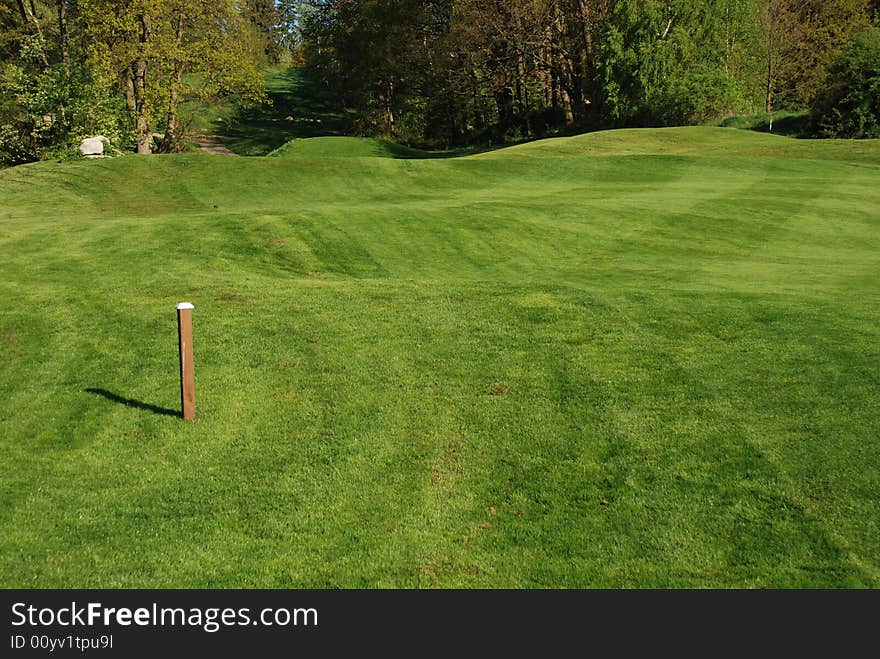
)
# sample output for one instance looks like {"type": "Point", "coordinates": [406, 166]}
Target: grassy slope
{"type": "Point", "coordinates": [637, 358]}
{"type": "Point", "coordinates": [299, 110]}
{"type": "Point", "coordinates": [298, 107]}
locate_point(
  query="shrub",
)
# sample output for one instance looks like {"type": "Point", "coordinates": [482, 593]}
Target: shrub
{"type": "Point", "coordinates": [849, 104]}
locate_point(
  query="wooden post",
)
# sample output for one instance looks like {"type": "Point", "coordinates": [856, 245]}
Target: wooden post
{"type": "Point", "coordinates": [187, 372]}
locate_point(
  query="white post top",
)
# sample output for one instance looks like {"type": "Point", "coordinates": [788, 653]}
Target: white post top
{"type": "Point", "coordinates": [185, 305]}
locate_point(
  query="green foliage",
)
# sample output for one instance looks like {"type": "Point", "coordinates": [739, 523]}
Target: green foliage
{"type": "Point", "coordinates": [31, 119]}
{"type": "Point", "coordinates": [119, 69]}
{"type": "Point", "coordinates": [809, 36]}
{"type": "Point", "coordinates": [849, 105]}
{"type": "Point", "coordinates": [31, 109]}
{"type": "Point", "coordinates": [674, 63]}
{"type": "Point", "coordinates": [450, 72]}
{"type": "Point", "coordinates": [45, 112]}
{"type": "Point", "coordinates": [151, 48]}
{"type": "Point", "coordinates": [697, 94]}
{"type": "Point", "coordinates": [435, 73]}
{"type": "Point", "coordinates": [265, 16]}
{"type": "Point", "coordinates": [96, 109]}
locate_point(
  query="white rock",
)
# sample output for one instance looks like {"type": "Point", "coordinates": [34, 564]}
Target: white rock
{"type": "Point", "coordinates": [92, 147]}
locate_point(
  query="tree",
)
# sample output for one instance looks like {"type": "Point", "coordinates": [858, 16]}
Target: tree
{"type": "Point", "coordinates": [149, 47]}
{"type": "Point", "coordinates": [265, 16]}
{"type": "Point", "coordinates": [47, 97]}
{"type": "Point", "coordinates": [849, 104]}
{"type": "Point", "coordinates": [290, 16]}
{"type": "Point", "coordinates": [674, 61]}
{"type": "Point", "coordinates": [374, 54]}
{"type": "Point", "coordinates": [801, 39]}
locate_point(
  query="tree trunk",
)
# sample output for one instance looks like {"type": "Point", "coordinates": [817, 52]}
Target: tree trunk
{"type": "Point", "coordinates": [479, 115]}
{"type": "Point", "coordinates": [64, 39]}
{"type": "Point", "coordinates": [571, 82]}
{"type": "Point", "coordinates": [728, 41]}
{"type": "Point", "coordinates": [389, 109]}
{"type": "Point", "coordinates": [29, 15]}
{"type": "Point", "coordinates": [144, 126]}
{"type": "Point", "coordinates": [129, 92]}
{"type": "Point", "coordinates": [771, 27]}
{"type": "Point", "coordinates": [518, 90]}
{"type": "Point", "coordinates": [169, 141]}
{"type": "Point", "coordinates": [554, 88]}
{"type": "Point", "coordinates": [589, 66]}
{"type": "Point", "coordinates": [587, 28]}
{"type": "Point", "coordinates": [171, 136]}
{"type": "Point", "coordinates": [504, 101]}
{"type": "Point", "coordinates": [567, 106]}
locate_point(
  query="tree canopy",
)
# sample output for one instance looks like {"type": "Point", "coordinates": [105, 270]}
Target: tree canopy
{"type": "Point", "coordinates": [119, 68]}
{"type": "Point", "coordinates": [849, 104]}
{"type": "Point", "coordinates": [445, 71]}
{"type": "Point", "coordinates": [427, 72]}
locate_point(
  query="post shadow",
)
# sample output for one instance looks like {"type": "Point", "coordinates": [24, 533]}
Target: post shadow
{"type": "Point", "coordinates": [131, 402]}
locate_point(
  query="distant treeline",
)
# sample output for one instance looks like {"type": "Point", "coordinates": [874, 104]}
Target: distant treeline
{"type": "Point", "coordinates": [433, 72]}
{"type": "Point", "coordinates": [444, 72]}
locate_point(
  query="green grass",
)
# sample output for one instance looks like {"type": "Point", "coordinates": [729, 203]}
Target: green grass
{"type": "Point", "coordinates": [628, 359]}
{"type": "Point", "coordinates": [359, 147]}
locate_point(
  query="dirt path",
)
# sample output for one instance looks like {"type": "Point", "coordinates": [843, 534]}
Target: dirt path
{"type": "Point", "coordinates": [211, 144]}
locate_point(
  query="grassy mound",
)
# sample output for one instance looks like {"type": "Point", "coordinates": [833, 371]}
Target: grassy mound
{"type": "Point", "coordinates": [784, 122]}
{"type": "Point", "coordinates": [634, 358]}
{"type": "Point", "coordinates": [346, 147]}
